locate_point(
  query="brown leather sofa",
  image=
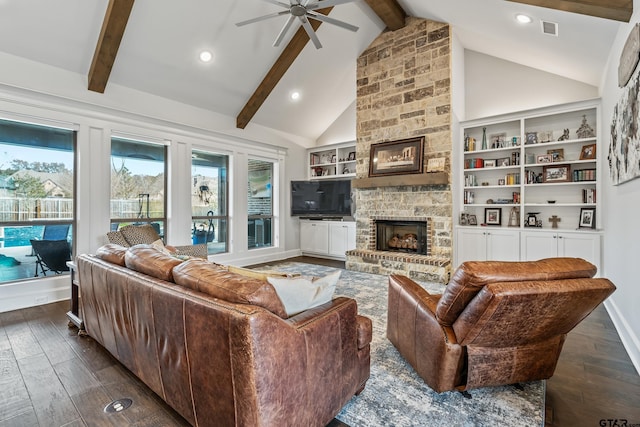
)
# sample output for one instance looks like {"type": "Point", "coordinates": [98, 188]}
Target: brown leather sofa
{"type": "Point", "coordinates": [496, 323]}
{"type": "Point", "coordinates": [217, 346]}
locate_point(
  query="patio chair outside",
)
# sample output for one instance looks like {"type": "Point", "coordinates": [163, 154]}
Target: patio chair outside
{"type": "Point", "coordinates": [51, 255]}
{"type": "Point", "coordinates": [56, 232]}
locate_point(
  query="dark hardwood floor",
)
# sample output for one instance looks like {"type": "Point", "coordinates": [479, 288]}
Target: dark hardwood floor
{"type": "Point", "coordinates": [51, 377]}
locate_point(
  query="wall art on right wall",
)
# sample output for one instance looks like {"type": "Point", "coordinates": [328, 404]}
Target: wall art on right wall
{"type": "Point", "coordinates": [624, 147]}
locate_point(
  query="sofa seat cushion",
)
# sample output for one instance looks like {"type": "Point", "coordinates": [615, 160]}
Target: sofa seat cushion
{"type": "Point", "coordinates": [112, 253]}
{"type": "Point", "coordinates": [302, 293]}
{"type": "Point", "coordinates": [148, 260]}
{"type": "Point", "coordinates": [217, 281]}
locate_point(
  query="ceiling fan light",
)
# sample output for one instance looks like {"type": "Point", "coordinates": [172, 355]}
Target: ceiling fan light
{"type": "Point", "coordinates": [523, 19]}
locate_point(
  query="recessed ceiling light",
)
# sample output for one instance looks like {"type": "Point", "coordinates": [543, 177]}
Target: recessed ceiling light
{"type": "Point", "coordinates": [295, 95]}
{"type": "Point", "coordinates": [523, 19]}
{"type": "Point", "coordinates": [206, 56]}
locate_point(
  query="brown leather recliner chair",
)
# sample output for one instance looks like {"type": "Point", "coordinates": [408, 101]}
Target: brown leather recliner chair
{"type": "Point", "coordinates": [496, 323]}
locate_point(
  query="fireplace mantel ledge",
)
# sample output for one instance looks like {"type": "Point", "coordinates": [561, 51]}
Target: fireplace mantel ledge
{"type": "Point", "coordinates": [432, 178]}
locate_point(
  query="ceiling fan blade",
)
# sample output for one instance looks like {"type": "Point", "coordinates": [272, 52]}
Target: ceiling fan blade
{"type": "Point", "coordinates": [278, 3]}
{"type": "Point", "coordinates": [284, 30]}
{"type": "Point", "coordinates": [328, 20]}
{"type": "Point", "coordinates": [309, 29]}
{"type": "Point", "coordinates": [262, 18]}
{"type": "Point", "coordinates": [325, 3]}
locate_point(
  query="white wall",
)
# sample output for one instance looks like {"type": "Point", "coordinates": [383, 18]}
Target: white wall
{"type": "Point", "coordinates": [35, 92]}
{"type": "Point", "coordinates": [621, 205]}
{"type": "Point", "coordinates": [495, 86]}
{"type": "Point", "coordinates": [342, 130]}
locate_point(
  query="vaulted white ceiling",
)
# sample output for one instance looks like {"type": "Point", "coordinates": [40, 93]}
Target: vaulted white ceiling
{"type": "Point", "coordinates": [159, 51]}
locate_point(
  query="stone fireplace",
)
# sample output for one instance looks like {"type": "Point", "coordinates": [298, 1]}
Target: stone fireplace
{"type": "Point", "coordinates": [404, 91]}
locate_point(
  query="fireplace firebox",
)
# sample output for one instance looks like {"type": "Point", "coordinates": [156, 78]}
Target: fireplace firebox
{"type": "Point", "coordinates": [402, 236]}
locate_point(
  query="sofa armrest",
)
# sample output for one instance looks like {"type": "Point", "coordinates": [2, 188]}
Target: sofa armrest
{"type": "Point", "coordinates": [431, 348]}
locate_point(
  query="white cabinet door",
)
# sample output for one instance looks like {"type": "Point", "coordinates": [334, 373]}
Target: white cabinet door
{"type": "Point", "coordinates": [503, 245]}
{"type": "Point", "coordinates": [482, 244]}
{"type": "Point", "coordinates": [342, 237]}
{"type": "Point", "coordinates": [543, 244]}
{"type": "Point", "coordinates": [538, 244]}
{"type": "Point", "coordinates": [314, 237]}
{"type": "Point", "coordinates": [471, 245]}
{"type": "Point", "coordinates": [580, 245]}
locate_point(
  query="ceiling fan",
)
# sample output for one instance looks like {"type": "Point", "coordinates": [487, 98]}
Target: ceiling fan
{"type": "Point", "coordinates": [303, 10]}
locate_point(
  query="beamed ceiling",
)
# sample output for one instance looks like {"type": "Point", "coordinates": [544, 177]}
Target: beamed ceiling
{"type": "Point", "coordinates": [151, 46]}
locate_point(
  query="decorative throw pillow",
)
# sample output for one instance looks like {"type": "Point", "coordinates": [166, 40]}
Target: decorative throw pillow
{"type": "Point", "coordinates": [142, 234]}
{"type": "Point", "coordinates": [300, 293]}
{"type": "Point", "coordinates": [117, 238]}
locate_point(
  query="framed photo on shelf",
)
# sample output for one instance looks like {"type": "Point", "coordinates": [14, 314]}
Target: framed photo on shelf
{"type": "Point", "coordinates": [352, 156]}
{"type": "Point", "coordinates": [397, 157]}
{"type": "Point", "coordinates": [472, 220]}
{"type": "Point", "coordinates": [333, 158]}
{"type": "Point", "coordinates": [493, 216]}
{"type": "Point", "coordinates": [545, 136]}
{"type": "Point", "coordinates": [588, 152]}
{"type": "Point", "coordinates": [560, 173]}
{"type": "Point", "coordinates": [587, 218]}
{"type": "Point", "coordinates": [506, 161]}
{"type": "Point", "coordinates": [497, 140]}
{"type": "Point", "coordinates": [557, 154]}
{"type": "Point", "coordinates": [531, 138]}
{"type": "Point", "coordinates": [490, 163]}
{"type": "Point", "coordinates": [544, 158]}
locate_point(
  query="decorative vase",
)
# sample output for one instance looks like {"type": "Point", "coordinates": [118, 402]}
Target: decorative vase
{"type": "Point", "coordinates": [484, 138]}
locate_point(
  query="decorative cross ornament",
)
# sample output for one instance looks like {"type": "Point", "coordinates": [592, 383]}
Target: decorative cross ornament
{"type": "Point", "coordinates": [554, 220]}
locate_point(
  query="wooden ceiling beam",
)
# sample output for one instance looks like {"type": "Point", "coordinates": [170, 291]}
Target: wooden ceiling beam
{"type": "Point", "coordinates": [617, 10]}
{"type": "Point", "coordinates": [113, 26]}
{"type": "Point", "coordinates": [284, 61]}
{"type": "Point", "coordinates": [391, 13]}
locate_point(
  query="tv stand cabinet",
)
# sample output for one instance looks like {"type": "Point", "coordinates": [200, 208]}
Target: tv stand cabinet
{"type": "Point", "coordinates": [327, 239]}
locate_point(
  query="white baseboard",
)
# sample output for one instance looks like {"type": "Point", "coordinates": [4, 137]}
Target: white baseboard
{"type": "Point", "coordinates": [30, 293]}
{"type": "Point", "coordinates": [629, 339]}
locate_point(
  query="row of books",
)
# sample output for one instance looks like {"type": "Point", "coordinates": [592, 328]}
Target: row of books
{"type": "Point", "coordinates": [474, 163]}
{"type": "Point", "coordinates": [512, 179]}
{"type": "Point", "coordinates": [584, 175]}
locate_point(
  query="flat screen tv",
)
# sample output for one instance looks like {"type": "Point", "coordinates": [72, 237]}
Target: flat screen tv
{"type": "Point", "coordinates": [321, 198]}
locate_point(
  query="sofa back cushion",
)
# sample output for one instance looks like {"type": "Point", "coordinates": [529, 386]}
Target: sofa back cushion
{"type": "Point", "coordinates": [148, 260]}
{"type": "Point", "coordinates": [218, 282]}
{"type": "Point", "coordinates": [112, 253]}
{"type": "Point", "coordinates": [472, 276]}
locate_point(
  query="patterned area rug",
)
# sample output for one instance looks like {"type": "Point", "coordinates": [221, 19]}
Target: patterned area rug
{"type": "Point", "coordinates": [396, 396]}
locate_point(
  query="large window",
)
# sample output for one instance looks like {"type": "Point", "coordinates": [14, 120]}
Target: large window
{"type": "Point", "coordinates": [138, 184]}
{"type": "Point", "coordinates": [260, 204]}
{"type": "Point", "coordinates": [36, 200]}
{"type": "Point", "coordinates": [209, 200]}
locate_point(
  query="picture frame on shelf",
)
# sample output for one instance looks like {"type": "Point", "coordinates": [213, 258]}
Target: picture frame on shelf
{"type": "Point", "coordinates": [545, 136]}
{"type": "Point", "coordinates": [544, 158]}
{"type": "Point", "coordinates": [490, 163]}
{"type": "Point", "coordinates": [333, 158]}
{"type": "Point", "coordinates": [588, 152]}
{"type": "Point", "coordinates": [352, 156]}
{"type": "Point", "coordinates": [559, 173]}
{"type": "Point", "coordinates": [493, 216]}
{"type": "Point", "coordinates": [472, 220]}
{"type": "Point", "coordinates": [557, 154]}
{"type": "Point", "coordinates": [497, 140]}
{"type": "Point", "coordinates": [400, 157]}
{"type": "Point", "coordinates": [505, 161]}
{"type": "Point", "coordinates": [587, 218]}
{"type": "Point", "coordinates": [531, 138]}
